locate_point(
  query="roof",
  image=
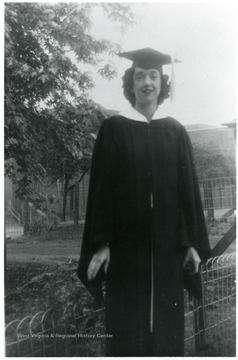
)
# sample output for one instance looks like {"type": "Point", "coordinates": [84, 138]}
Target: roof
{"type": "Point", "coordinates": [193, 127]}
{"type": "Point", "coordinates": [230, 124]}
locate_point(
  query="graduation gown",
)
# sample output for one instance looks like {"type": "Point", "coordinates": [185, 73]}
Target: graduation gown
{"type": "Point", "coordinates": [143, 201]}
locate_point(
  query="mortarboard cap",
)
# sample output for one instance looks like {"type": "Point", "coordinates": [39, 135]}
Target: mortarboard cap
{"type": "Point", "coordinates": [148, 58]}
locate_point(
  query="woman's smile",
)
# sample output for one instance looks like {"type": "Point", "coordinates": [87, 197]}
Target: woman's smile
{"type": "Point", "coordinates": [147, 91]}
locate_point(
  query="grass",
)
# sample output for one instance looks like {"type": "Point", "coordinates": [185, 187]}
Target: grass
{"type": "Point", "coordinates": [37, 267]}
{"type": "Point", "coordinates": [48, 248]}
{"type": "Point", "coordinates": [41, 274]}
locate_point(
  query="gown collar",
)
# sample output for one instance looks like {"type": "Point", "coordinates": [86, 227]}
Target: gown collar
{"type": "Point", "coordinates": [133, 114]}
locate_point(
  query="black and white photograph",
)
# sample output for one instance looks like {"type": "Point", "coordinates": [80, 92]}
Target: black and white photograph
{"type": "Point", "coordinates": [120, 179]}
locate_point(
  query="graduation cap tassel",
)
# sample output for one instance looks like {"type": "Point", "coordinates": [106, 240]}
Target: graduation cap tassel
{"type": "Point", "coordinates": [172, 81]}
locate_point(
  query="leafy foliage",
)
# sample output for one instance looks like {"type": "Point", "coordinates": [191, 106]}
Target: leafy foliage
{"type": "Point", "coordinates": [212, 163]}
{"type": "Point", "coordinates": [50, 121]}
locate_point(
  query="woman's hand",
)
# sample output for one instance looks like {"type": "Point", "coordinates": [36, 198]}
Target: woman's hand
{"type": "Point", "coordinates": [191, 261]}
{"type": "Point", "coordinates": [99, 258]}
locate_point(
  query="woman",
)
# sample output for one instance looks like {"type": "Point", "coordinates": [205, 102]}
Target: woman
{"type": "Point", "coordinates": [144, 222]}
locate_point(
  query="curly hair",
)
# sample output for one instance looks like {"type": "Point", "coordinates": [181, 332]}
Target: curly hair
{"type": "Point", "coordinates": [128, 85]}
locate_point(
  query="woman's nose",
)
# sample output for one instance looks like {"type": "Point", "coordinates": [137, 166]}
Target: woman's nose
{"type": "Point", "coordinates": [147, 80]}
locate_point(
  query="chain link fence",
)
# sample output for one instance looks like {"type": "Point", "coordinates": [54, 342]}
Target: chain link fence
{"type": "Point", "coordinates": [219, 204]}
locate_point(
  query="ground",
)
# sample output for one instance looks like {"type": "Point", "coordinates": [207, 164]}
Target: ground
{"type": "Point", "coordinates": [40, 273]}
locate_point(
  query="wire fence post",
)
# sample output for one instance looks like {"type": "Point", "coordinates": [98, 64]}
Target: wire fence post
{"type": "Point", "coordinates": [199, 325]}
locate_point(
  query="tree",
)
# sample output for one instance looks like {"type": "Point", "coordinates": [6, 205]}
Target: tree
{"type": "Point", "coordinates": [211, 163]}
{"type": "Point", "coordinates": [48, 113]}
{"type": "Point", "coordinates": [72, 143]}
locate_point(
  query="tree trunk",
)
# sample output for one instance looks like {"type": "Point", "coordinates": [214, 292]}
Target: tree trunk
{"type": "Point", "coordinates": [26, 216]}
{"type": "Point", "coordinates": [66, 185]}
{"type": "Point", "coordinates": [76, 218]}
{"type": "Point", "coordinates": [76, 205]}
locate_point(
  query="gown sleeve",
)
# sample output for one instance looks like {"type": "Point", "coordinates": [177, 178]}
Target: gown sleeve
{"type": "Point", "coordinates": [99, 221]}
{"type": "Point", "coordinates": [192, 228]}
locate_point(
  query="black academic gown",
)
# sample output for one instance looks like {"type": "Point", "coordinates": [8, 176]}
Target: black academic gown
{"type": "Point", "coordinates": [144, 201]}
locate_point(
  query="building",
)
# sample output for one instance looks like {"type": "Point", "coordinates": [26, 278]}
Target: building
{"type": "Point", "coordinates": [218, 138]}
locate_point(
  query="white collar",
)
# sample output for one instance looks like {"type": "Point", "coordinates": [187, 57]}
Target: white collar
{"type": "Point", "coordinates": [133, 114]}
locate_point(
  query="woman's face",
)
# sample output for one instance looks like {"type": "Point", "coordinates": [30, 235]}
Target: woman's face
{"type": "Point", "coordinates": [146, 85]}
